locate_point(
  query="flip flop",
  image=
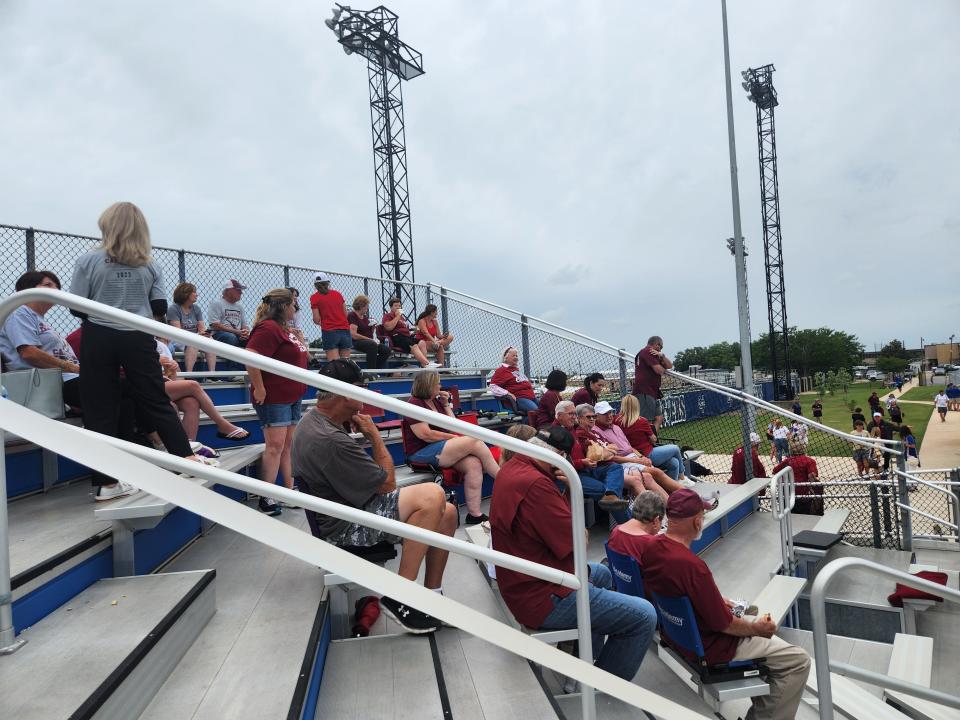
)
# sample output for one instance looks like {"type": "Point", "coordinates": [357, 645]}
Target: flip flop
{"type": "Point", "coordinates": [238, 434]}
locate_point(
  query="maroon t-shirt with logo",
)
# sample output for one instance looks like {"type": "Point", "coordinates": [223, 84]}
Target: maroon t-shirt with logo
{"type": "Point", "coordinates": [646, 381]}
{"type": "Point", "coordinates": [270, 339]}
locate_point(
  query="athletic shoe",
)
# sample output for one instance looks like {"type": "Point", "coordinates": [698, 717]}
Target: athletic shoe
{"type": "Point", "coordinates": [410, 619]}
{"type": "Point", "coordinates": [475, 519]}
{"type": "Point", "coordinates": [432, 365]}
{"type": "Point", "coordinates": [612, 502]}
{"type": "Point", "coordinates": [709, 505]}
{"type": "Point", "coordinates": [687, 482]}
{"type": "Point", "coordinates": [112, 492]}
{"type": "Point", "coordinates": [269, 507]}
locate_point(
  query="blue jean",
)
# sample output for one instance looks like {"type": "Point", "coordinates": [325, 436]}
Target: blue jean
{"type": "Point", "coordinates": [526, 404]}
{"type": "Point", "coordinates": [229, 339]}
{"type": "Point", "coordinates": [428, 454]}
{"type": "Point", "coordinates": [782, 446]}
{"type": "Point", "coordinates": [627, 622]}
{"type": "Point", "coordinates": [604, 479]}
{"type": "Point", "coordinates": [668, 458]}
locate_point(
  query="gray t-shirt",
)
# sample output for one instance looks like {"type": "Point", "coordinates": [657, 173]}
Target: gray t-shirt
{"type": "Point", "coordinates": [25, 327]}
{"type": "Point", "coordinates": [334, 466]}
{"type": "Point", "coordinates": [100, 278]}
{"type": "Point", "coordinates": [188, 319]}
{"type": "Point", "coordinates": [227, 313]}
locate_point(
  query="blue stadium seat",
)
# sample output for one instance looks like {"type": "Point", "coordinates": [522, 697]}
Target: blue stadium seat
{"type": "Point", "coordinates": [627, 576]}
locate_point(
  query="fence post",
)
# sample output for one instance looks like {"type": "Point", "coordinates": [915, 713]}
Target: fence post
{"type": "Point", "coordinates": [444, 323]}
{"type": "Point", "coordinates": [286, 276]}
{"type": "Point", "coordinates": [182, 264]}
{"type": "Point", "coordinates": [906, 519]}
{"type": "Point", "coordinates": [525, 344]}
{"type": "Point", "coordinates": [31, 250]}
{"type": "Point", "coordinates": [366, 286]}
{"type": "Point", "coordinates": [955, 477]}
{"type": "Point", "coordinates": [623, 372]}
{"type": "Point", "coordinates": [746, 427]}
{"type": "Point", "coordinates": [875, 515]}
{"type": "Point", "coordinates": [429, 294]}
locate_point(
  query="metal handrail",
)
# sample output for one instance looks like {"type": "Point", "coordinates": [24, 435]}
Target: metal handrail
{"type": "Point", "coordinates": [954, 500]}
{"type": "Point", "coordinates": [928, 516]}
{"type": "Point", "coordinates": [784, 499]}
{"type": "Point", "coordinates": [312, 379]}
{"type": "Point", "coordinates": [821, 651]}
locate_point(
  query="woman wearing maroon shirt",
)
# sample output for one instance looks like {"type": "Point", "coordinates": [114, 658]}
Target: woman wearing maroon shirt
{"type": "Point", "coordinates": [276, 399]}
{"type": "Point", "coordinates": [362, 334]}
{"type": "Point", "coordinates": [423, 443]}
{"type": "Point", "coordinates": [395, 327]}
{"type": "Point", "coordinates": [511, 385]}
{"type": "Point", "coordinates": [593, 386]}
{"type": "Point", "coordinates": [546, 410]}
{"type": "Point", "coordinates": [429, 334]}
{"type": "Point", "coordinates": [637, 428]}
{"type": "Point", "coordinates": [647, 512]}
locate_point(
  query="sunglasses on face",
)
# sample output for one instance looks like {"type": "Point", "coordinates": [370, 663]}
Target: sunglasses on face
{"type": "Point", "coordinates": [590, 417]}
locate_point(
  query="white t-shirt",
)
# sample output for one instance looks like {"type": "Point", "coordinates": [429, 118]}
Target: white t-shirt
{"type": "Point", "coordinates": [940, 400]}
{"type": "Point", "coordinates": [164, 351]}
{"type": "Point", "coordinates": [781, 433]}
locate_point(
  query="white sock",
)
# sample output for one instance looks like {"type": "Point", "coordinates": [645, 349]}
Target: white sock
{"type": "Point", "coordinates": [438, 590]}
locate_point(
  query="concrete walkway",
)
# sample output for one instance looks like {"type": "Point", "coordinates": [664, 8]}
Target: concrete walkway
{"type": "Point", "coordinates": [941, 442]}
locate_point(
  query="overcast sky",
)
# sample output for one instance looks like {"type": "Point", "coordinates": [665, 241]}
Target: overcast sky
{"type": "Point", "coordinates": [568, 159]}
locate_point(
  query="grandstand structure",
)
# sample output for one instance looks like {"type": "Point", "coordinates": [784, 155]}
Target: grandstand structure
{"type": "Point", "coordinates": [184, 602]}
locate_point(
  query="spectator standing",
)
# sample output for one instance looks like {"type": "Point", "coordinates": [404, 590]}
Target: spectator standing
{"type": "Point", "coordinates": [556, 384]}
{"type": "Point", "coordinates": [817, 409]}
{"type": "Point", "coordinates": [593, 386]}
{"type": "Point", "coordinates": [781, 436]}
{"type": "Point", "coordinates": [896, 412]}
{"type": "Point", "coordinates": [874, 402]}
{"type": "Point", "coordinates": [397, 330]}
{"type": "Point", "coordinates": [886, 433]}
{"type": "Point", "coordinates": [891, 399]}
{"type": "Point", "coordinates": [861, 453]}
{"type": "Point", "coordinates": [738, 469]}
{"type": "Point", "coordinates": [186, 315]}
{"type": "Point", "coordinates": [276, 399]}
{"type": "Point", "coordinates": [649, 366]}
{"type": "Point", "coordinates": [361, 333]}
{"type": "Point", "coordinates": [121, 273]}
{"type": "Point", "coordinates": [511, 385]}
{"type": "Point", "coordinates": [329, 312]}
{"type": "Point", "coordinates": [530, 518]}
{"type": "Point", "coordinates": [953, 397]}
{"type": "Point", "coordinates": [294, 323]}
{"type": "Point", "coordinates": [796, 408]}
{"type": "Point", "coordinates": [228, 321]}
{"type": "Point", "coordinates": [428, 333]}
{"type": "Point", "coordinates": [805, 474]}
{"type": "Point", "coordinates": [910, 442]}
{"type": "Point", "coordinates": [940, 401]}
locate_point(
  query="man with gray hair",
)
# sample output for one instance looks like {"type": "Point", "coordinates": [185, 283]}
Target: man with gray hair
{"type": "Point", "coordinates": [649, 366]}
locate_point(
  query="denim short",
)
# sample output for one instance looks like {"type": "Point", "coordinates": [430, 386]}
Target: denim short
{"type": "Point", "coordinates": [336, 339]}
{"type": "Point", "coordinates": [429, 455]}
{"type": "Point", "coordinates": [278, 414]}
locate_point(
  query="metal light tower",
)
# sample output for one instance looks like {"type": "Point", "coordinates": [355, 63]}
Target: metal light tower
{"type": "Point", "coordinates": [374, 35]}
{"type": "Point", "coordinates": [758, 82]}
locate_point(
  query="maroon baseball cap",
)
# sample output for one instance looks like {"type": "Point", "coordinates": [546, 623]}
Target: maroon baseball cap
{"type": "Point", "coordinates": [684, 503]}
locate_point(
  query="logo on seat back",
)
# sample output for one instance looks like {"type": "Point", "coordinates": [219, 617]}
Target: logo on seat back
{"type": "Point", "coordinates": [622, 575]}
{"type": "Point", "coordinates": [678, 621]}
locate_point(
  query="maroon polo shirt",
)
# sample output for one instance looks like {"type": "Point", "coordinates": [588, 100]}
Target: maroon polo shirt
{"type": "Point", "coordinates": [547, 409]}
{"type": "Point", "coordinates": [738, 470]}
{"type": "Point", "coordinates": [645, 380]}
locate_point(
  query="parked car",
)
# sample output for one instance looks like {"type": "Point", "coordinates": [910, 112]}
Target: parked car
{"type": "Point", "coordinates": [939, 370]}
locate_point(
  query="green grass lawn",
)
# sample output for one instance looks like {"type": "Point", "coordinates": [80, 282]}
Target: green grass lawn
{"type": "Point", "coordinates": [921, 394]}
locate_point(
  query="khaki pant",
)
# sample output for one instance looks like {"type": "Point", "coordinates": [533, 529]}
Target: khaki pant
{"type": "Point", "coordinates": [789, 666]}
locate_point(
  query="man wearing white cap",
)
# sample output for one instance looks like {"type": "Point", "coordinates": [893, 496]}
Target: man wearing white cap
{"type": "Point", "coordinates": [330, 313]}
{"type": "Point", "coordinates": [738, 468]}
{"type": "Point", "coordinates": [228, 322]}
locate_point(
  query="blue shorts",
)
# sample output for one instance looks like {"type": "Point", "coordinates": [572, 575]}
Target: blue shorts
{"type": "Point", "coordinates": [336, 339]}
{"type": "Point", "coordinates": [429, 455]}
{"type": "Point", "coordinates": [278, 414]}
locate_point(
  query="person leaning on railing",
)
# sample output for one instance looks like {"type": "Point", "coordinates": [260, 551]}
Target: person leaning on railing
{"type": "Point", "coordinates": [186, 315]}
{"type": "Point", "coordinates": [121, 273]}
{"type": "Point", "coordinates": [511, 386]}
{"type": "Point", "coordinates": [361, 331]}
{"type": "Point", "coordinates": [331, 465]}
{"type": "Point", "coordinates": [276, 399]}
{"type": "Point", "coordinates": [530, 518]}
{"type": "Point", "coordinates": [428, 332]}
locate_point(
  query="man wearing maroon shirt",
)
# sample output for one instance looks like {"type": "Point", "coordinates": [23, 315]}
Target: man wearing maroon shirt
{"type": "Point", "coordinates": [671, 569]}
{"type": "Point", "coordinates": [738, 469]}
{"type": "Point", "coordinates": [809, 497]}
{"type": "Point", "coordinates": [329, 312]}
{"type": "Point", "coordinates": [530, 518]}
{"type": "Point", "coordinates": [649, 366]}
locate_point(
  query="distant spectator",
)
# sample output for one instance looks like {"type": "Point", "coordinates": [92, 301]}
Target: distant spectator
{"type": "Point", "coordinates": [896, 412]}
{"type": "Point", "coordinates": [510, 385]}
{"type": "Point", "coordinates": [556, 384]}
{"type": "Point", "coordinates": [886, 433]}
{"type": "Point", "coordinates": [593, 386]}
{"type": "Point", "coordinates": [891, 399]}
{"type": "Point", "coordinates": [953, 397]}
{"type": "Point", "coordinates": [941, 403]}
{"type": "Point", "coordinates": [781, 436]}
{"type": "Point", "coordinates": [395, 327]}
{"type": "Point", "coordinates": [817, 409]}
{"type": "Point", "coordinates": [649, 366]}
{"type": "Point", "coordinates": [874, 402]}
{"type": "Point", "coordinates": [898, 381]}
{"type": "Point", "coordinates": [186, 315]}
{"type": "Point", "coordinates": [647, 512]}
{"type": "Point", "coordinates": [520, 432]}
{"type": "Point", "coordinates": [426, 444]}
{"type": "Point", "coordinates": [861, 453]}
{"type": "Point", "coordinates": [121, 273]}
{"type": "Point", "coordinates": [294, 323]}
{"type": "Point", "coordinates": [799, 433]}
{"type": "Point", "coordinates": [329, 312]}
{"type": "Point", "coordinates": [797, 408]}
{"type": "Point", "coordinates": [640, 434]}
{"type": "Point", "coordinates": [856, 415]}
{"type": "Point", "coordinates": [806, 478]}
{"type": "Point", "coordinates": [361, 332]}
{"type": "Point", "coordinates": [910, 442]}
{"type": "Point", "coordinates": [738, 469]}
{"type": "Point", "coordinates": [428, 333]}
{"type": "Point", "coordinates": [276, 399]}
{"type": "Point", "coordinates": [228, 321]}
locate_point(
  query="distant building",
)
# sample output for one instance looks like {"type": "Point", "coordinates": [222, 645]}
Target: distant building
{"type": "Point", "coordinates": [941, 354]}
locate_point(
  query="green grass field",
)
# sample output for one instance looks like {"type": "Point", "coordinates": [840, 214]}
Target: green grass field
{"type": "Point", "coordinates": [921, 394]}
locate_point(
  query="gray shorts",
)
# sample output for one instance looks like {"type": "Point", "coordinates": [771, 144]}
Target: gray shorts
{"type": "Point", "coordinates": [386, 505]}
{"type": "Point", "coordinates": [650, 407]}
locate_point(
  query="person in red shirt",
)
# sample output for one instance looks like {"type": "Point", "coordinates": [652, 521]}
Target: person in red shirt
{"type": "Point", "coordinates": [396, 329]}
{"type": "Point", "coordinates": [329, 312]}
{"type": "Point", "coordinates": [361, 332]}
{"type": "Point", "coordinates": [511, 385]}
{"type": "Point", "coordinates": [556, 384]}
{"type": "Point", "coordinates": [809, 496]}
{"type": "Point", "coordinates": [631, 538]}
{"type": "Point", "coordinates": [276, 399]}
{"type": "Point", "coordinates": [738, 470]}
{"type": "Point", "coordinates": [593, 387]}
{"type": "Point", "coordinates": [428, 333]}
{"type": "Point", "coordinates": [649, 366]}
{"type": "Point", "coordinates": [530, 518]}
{"type": "Point", "coordinates": [671, 569]}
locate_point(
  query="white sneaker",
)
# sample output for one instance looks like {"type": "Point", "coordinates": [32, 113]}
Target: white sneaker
{"type": "Point", "coordinates": [112, 492]}
{"type": "Point", "coordinates": [433, 365]}
{"type": "Point", "coordinates": [687, 482]}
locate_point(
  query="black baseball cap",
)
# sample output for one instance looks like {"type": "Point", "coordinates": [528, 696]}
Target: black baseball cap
{"type": "Point", "coordinates": [345, 371]}
{"type": "Point", "coordinates": [556, 437]}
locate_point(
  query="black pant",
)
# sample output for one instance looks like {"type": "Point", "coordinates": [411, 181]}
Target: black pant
{"type": "Point", "coordinates": [103, 352]}
{"type": "Point", "coordinates": [377, 353]}
{"type": "Point", "coordinates": [403, 343]}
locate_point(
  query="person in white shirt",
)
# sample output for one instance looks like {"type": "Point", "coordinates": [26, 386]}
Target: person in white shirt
{"type": "Point", "coordinates": [940, 400]}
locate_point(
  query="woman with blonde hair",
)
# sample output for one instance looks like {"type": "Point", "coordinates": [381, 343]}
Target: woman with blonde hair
{"type": "Point", "coordinates": [276, 399]}
{"type": "Point", "coordinates": [643, 437]}
{"type": "Point", "coordinates": [120, 272]}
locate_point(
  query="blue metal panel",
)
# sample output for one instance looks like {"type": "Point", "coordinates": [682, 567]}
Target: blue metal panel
{"type": "Point", "coordinates": [710, 536]}
{"type": "Point", "coordinates": [70, 470]}
{"type": "Point", "coordinates": [24, 472]}
{"type": "Point", "coordinates": [316, 676]}
{"type": "Point", "coordinates": [226, 395]}
{"type": "Point", "coordinates": [154, 546]}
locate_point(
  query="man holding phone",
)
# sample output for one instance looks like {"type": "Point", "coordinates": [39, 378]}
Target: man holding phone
{"type": "Point", "coordinates": [649, 366]}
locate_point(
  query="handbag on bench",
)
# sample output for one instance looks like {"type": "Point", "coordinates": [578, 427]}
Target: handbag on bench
{"type": "Point", "coordinates": [36, 389]}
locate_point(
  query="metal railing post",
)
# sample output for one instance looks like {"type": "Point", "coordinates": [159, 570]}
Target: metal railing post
{"type": "Point", "coordinates": [525, 344]}
{"type": "Point", "coordinates": [875, 514]}
{"type": "Point", "coordinates": [31, 249]}
{"type": "Point", "coordinates": [903, 494]}
{"type": "Point", "coordinates": [8, 638]}
{"type": "Point", "coordinates": [623, 371]}
{"type": "Point", "coordinates": [182, 265]}
{"type": "Point", "coordinates": [366, 286]}
{"type": "Point", "coordinates": [955, 478]}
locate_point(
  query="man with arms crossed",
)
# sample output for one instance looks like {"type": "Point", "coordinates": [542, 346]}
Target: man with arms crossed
{"type": "Point", "coordinates": [649, 366]}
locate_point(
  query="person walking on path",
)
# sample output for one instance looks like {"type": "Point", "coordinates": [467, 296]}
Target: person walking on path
{"type": "Point", "coordinates": [940, 400]}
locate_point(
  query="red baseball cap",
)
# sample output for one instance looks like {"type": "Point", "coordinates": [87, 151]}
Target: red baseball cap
{"type": "Point", "coordinates": [684, 503]}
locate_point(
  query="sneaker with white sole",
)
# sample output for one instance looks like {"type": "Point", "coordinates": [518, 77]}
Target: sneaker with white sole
{"type": "Point", "coordinates": [410, 619]}
{"type": "Point", "coordinates": [687, 482]}
{"type": "Point", "coordinates": [432, 365]}
{"type": "Point", "coordinates": [112, 492]}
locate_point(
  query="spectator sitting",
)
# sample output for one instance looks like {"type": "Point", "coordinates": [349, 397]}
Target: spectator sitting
{"type": "Point", "coordinates": [556, 384]}
{"type": "Point", "coordinates": [805, 475]}
{"type": "Point", "coordinates": [593, 387]}
{"type": "Point", "coordinates": [228, 322]}
{"type": "Point", "coordinates": [856, 415]}
{"type": "Point", "coordinates": [329, 312]}
{"type": "Point", "coordinates": [429, 333]}
{"type": "Point", "coordinates": [671, 569]}
{"type": "Point", "coordinates": [647, 512]}
{"type": "Point", "coordinates": [639, 433]}
{"type": "Point", "coordinates": [397, 330]}
{"type": "Point", "coordinates": [186, 315]}
{"type": "Point", "coordinates": [331, 465]}
{"type": "Point", "coordinates": [530, 518]}
{"type": "Point", "coordinates": [649, 366]}
{"type": "Point", "coordinates": [520, 432]}
{"type": "Point", "coordinates": [423, 443]}
{"type": "Point", "coordinates": [361, 332]}
{"type": "Point", "coordinates": [511, 386]}
{"type": "Point", "coordinates": [738, 469]}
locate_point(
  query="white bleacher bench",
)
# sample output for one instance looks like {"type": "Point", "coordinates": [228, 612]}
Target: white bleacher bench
{"type": "Point", "coordinates": [912, 661]}
{"type": "Point", "coordinates": [852, 700]}
{"type": "Point", "coordinates": [142, 511]}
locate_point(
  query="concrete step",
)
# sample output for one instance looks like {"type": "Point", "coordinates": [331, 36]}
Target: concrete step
{"type": "Point", "coordinates": [106, 652]}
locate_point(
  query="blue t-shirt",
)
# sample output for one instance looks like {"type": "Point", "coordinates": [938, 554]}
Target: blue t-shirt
{"type": "Point", "coordinates": [26, 327]}
{"type": "Point", "coordinates": [953, 393]}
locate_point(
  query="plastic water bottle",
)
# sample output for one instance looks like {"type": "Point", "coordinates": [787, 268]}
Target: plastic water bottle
{"type": "Point", "coordinates": [6, 395]}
